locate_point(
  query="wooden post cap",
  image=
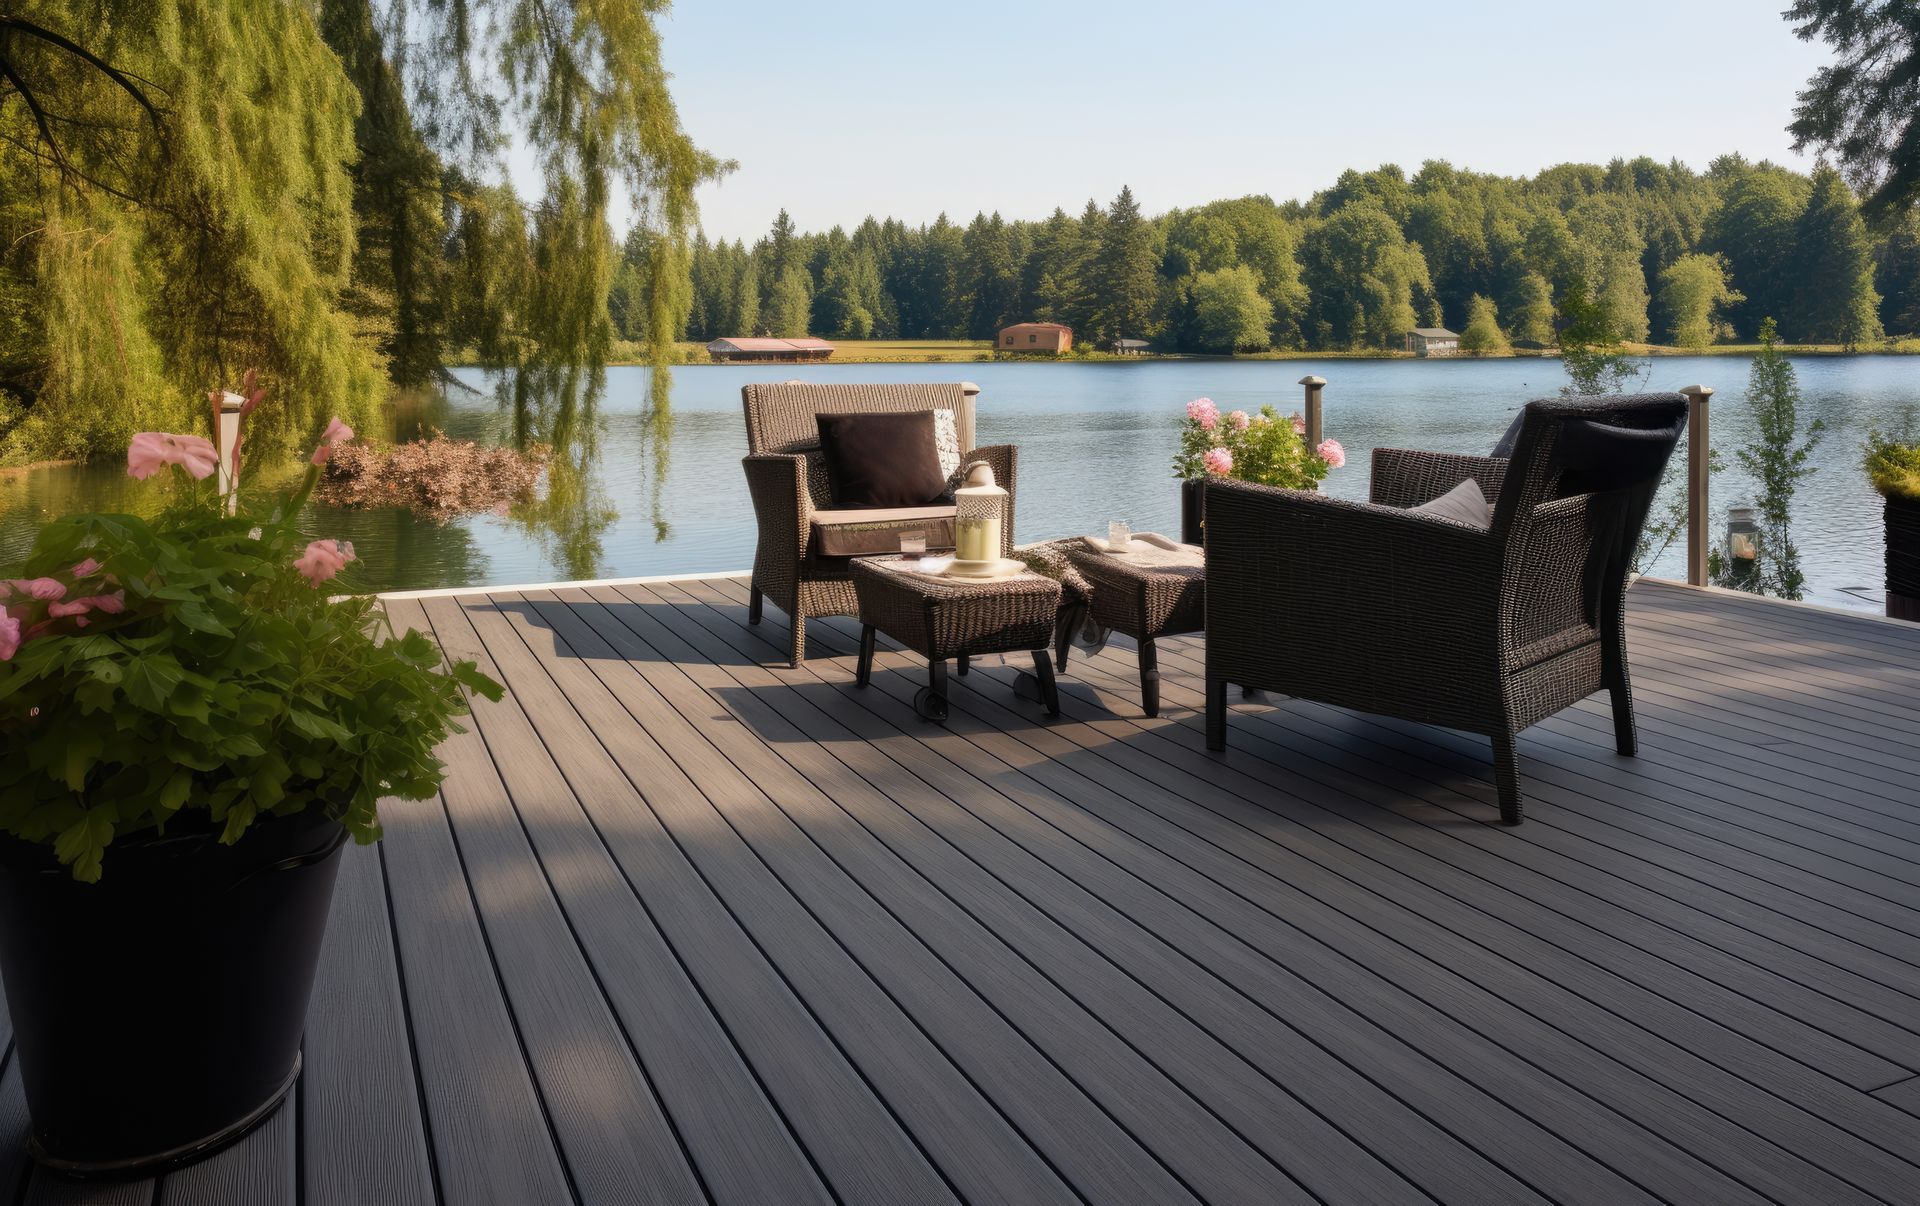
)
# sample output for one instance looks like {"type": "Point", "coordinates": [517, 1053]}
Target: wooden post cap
{"type": "Point", "coordinates": [969, 388]}
{"type": "Point", "coordinates": [1313, 380]}
{"type": "Point", "coordinates": [1702, 392]}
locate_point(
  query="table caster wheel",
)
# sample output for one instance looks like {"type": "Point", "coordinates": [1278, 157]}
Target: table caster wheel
{"type": "Point", "coordinates": [930, 706]}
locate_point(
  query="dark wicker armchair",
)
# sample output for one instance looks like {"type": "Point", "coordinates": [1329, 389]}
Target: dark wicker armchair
{"type": "Point", "coordinates": [805, 546]}
{"type": "Point", "coordinates": [1372, 607]}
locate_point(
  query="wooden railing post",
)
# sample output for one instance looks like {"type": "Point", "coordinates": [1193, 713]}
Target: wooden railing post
{"type": "Point", "coordinates": [226, 434]}
{"type": "Point", "coordinates": [1697, 473]}
{"type": "Point", "coordinates": [1312, 413]}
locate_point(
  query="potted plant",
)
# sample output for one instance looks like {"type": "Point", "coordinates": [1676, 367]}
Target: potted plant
{"type": "Point", "coordinates": [1894, 468]}
{"type": "Point", "coordinates": [193, 726]}
{"type": "Point", "coordinates": [1263, 448]}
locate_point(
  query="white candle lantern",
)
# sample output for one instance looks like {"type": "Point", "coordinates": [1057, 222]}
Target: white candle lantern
{"type": "Point", "coordinates": [980, 516]}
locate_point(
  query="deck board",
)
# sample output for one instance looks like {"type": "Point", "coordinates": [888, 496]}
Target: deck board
{"type": "Point", "coordinates": [689, 925]}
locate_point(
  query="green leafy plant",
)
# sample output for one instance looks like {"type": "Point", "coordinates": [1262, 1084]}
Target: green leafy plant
{"type": "Point", "coordinates": [1777, 457]}
{"type": "Point", "coordinates": [1893, 466]}
{"type": "Point", "coordinates": [1265, 448]}
{"type": "Point", "coordinates": [191, 672]}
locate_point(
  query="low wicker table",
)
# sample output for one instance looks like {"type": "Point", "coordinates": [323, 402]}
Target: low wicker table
{"type": "Point", "coordinates": [1151, 594]}
{"type": "Point", "coordinates": [943, 618]}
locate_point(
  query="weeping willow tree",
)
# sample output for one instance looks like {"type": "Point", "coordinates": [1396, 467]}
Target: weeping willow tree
{"type": "Point", "coordinates": [193, 186]}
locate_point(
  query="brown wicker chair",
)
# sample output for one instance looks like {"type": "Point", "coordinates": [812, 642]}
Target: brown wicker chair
{"type": "Point", "coordinates": [787, 479]}
{"type": "Point", "coordinates": [1370, 607]}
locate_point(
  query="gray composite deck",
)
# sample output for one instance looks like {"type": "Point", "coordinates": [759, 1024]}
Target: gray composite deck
{"type": "Point", "coordinates": [687, 926]}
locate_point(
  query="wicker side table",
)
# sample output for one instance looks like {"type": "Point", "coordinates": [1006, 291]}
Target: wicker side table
{"type": "Point", "coordinates": [1154, 595]}
{"type": "Point", "coordinates": [942, 618]}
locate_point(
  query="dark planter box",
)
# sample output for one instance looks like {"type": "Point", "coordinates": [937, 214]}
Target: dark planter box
{"type": "Point", "coordinates": [157, 1014]}
{"type": "Point", "coordinates": [1903, 559]}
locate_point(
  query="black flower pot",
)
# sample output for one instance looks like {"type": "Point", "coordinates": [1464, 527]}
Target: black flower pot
{"type": "Point", "coordinates": [1193, 510]}
{"type": "Point", "coordinates": [157, 1014]}
{"type": "Point", "coordinates": [1903, 558]}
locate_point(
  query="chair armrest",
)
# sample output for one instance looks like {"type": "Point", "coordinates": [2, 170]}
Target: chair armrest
{"type": "Point", "coordinates": [777, 483]}
{"type": "Point", "coordinates": [1403, 477]}
{"type": "Point", "coordinates": [1005, 460]}
{"type": "Point", "coordinates": [1318, 596]}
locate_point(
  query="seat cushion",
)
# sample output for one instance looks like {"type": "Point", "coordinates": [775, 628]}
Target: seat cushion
{"type": "Point", "coordinates": [1465, 503]}
{"type": "Point", "coordinates": [882, 459]}
{"type": "Point", "coordinates": [867, 530]}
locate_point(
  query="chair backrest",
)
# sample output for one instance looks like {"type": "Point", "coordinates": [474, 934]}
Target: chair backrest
{"type": "Point", "coordinates": [1580, 481]}
{"type": "Point", "coordinates": [781, 415]}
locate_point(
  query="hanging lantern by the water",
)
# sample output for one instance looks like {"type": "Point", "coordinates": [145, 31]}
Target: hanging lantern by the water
{"type": "Point", "coordinates": [1743, 543]}
{"type": "Point", "coordinates": [980, 515]}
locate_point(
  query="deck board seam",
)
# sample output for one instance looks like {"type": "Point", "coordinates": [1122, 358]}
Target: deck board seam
{"type": "Point", "coordinates": [413, 1042]}
{"type": "Point", "coordinates": [1095, 950]}
{"type": "Point", "coordinates": [809, 1006]}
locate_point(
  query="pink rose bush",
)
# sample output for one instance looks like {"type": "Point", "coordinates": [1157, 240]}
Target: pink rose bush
{"type": "Point", "coordinates": [205, 663]}
{"type": "Point", "coordinates": [1260, 447]}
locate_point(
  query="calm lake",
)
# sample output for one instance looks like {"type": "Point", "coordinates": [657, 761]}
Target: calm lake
{"type": "Point", "coordinates": [1095, 439]}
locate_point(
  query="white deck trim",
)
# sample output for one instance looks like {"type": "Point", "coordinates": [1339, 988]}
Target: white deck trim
{"type": "Point", "coordinates": [581, 582]}
{"type": "Point", "coordinates": [1803, 604]}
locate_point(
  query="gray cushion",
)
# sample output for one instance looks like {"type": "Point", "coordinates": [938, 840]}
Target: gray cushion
{"type": "Point", "coordinates": [1465, 503]}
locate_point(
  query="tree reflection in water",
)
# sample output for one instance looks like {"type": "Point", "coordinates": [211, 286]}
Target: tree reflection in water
{"type": "Point", "coordinates": [559, 407]}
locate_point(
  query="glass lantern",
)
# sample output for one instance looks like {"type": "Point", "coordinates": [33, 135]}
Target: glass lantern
{"type": "Point", "coordinates": [980, 515]}
{"type": "Point", "coordinates": [1743, 543]}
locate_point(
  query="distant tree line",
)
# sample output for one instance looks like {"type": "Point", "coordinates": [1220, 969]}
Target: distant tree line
{"type": "Point", "coordinates": [1661, 253]}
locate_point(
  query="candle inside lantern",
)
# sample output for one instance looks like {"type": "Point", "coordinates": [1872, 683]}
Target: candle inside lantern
{"type": "Point", "coordinates": [977, 538]}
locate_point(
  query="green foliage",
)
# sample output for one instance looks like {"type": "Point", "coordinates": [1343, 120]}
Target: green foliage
{"type": "Point", "coordinates": [1756, 229]}
{"type": "Point", "coordinates": [1590, 350]}
{"type": "Point", "coordinates": [1364, 278]}
{"type": "Point", "coordinates": [1897, 276]}
{"type": "Point", "coordinates": [1694, 293]}
{"type": "Point", "coordinates": [1893, 466]}
{"type": "Point", "coordinates": [1124, 272]}
{"type": "Point", "coordinates": [1265, 447]}
{"type": "Point", "coordinates": [227, 689]}
{"type": "Point", "coordinates": [1865, 105]}
{"type": "Point", "coordinates": [1482, 334]}
{"type": "Point", "coordinates": [1777, 458]}
{"type": "Point", "coordinates": [1229, 314]}
{"type": "Point", "coordinates": [1834, 295]}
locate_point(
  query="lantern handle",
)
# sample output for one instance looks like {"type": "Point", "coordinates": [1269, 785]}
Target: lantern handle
{"type": "Point", "coordinates": [977, 473]}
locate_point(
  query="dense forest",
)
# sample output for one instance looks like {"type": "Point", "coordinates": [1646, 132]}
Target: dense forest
{"type": "Point", "coordinates": [1664, 253]}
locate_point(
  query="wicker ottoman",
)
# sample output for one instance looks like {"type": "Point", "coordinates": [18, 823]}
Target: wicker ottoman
{"type": "Point", "coordinates": [941, 618]}
{"type": "Point", "coordinates": [1153, 593]}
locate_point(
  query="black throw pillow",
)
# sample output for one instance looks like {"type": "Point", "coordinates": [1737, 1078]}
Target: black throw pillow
{"type": "Point", "coordinates": [882, 460]}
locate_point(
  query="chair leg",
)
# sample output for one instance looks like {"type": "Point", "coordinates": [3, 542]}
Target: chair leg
{"type": "Point", "coordinates": [962, 664]}
{"type": "Point", "coordinates": [1049, 689]}
{"type": "Point", "coordinates": [798, 649]}
{"type": "Point", "coordinates": [1216, 713]}
{"type": "Point", "coordinates": [754, 599]}
{"type": "Point", "coordinates": [1506, 777]}
{"type": "Point", "coordinates": [1626, 735]}
{"type": "Point", "coordinates": [864, 673]}
{"type": "Point", "coordinates": [1149, 677]}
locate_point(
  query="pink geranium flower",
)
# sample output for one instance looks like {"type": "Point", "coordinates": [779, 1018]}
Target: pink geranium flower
{"type": "Point", "coordinates": [336, 433]}
{"type": "Point", "coordinates": [323, 559]}
{"type": "Point", "coordinates": [152, 451]}
{"type": "Point", "coordinates": [1204, 412]}
{"type": "Point", "coordinates": [9, 637]}
{"type": "Point", "coordinates": [112, 605]}
{"type": "Point", "coordinates": [85, 569]}
{"type": "Point", "coordinates": [40, 588]}
{"type": "Point", "coordinates": [1299, 425]}
{"type": "Point", "coordinates": [1331, 452]}
{"type": "Point", "coordinates": [1218, 461]}
{"type": "Point", "coordinates": [1240, 420]}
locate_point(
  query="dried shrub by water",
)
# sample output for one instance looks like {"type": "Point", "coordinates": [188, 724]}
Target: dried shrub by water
{"type": "Point", "coordinates": [436, 477]}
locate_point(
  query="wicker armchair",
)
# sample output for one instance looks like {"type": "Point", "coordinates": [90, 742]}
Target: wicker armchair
{"type": "Point", "coordinates": [787, 480]}
{"type": "Point", "coordinates": [1371, 607]}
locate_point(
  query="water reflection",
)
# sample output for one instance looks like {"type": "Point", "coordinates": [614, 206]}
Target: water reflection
{"type": "Point", "coordinates": [640, 489]}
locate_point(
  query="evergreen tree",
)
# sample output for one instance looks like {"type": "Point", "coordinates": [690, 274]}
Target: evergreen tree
{"type": "Point", "coordinates": [1865, 105]}
{"type": "Point", "coordinates": [1897, 277]}
{"type": "Point", "coordinates": [1125, 273]}
{"type": "Point", "coordinates": [1530, 312]}
{"type": "Point", "coordinates": [1755, 230]}
{"type": "Point", "coordinates": [1835, 301]}
{"type": "Point", "coordinates": [1482, 334]}
{"type": "Point", "coordinates": [993, 277]}
{"type": "Point", "coordinates": [791, 305]}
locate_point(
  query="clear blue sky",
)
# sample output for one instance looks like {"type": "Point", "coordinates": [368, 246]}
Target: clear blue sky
{"type": "Point", "coordinates": [840, 108]}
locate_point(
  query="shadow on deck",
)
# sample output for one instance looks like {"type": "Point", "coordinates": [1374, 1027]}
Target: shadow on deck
{"type": "Point", "coordinates": [688, 926]}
